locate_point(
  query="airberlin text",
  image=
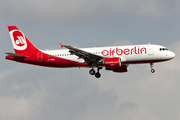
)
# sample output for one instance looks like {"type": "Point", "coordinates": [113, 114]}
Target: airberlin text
{"type": "Point", "coordinates": [126, 51]}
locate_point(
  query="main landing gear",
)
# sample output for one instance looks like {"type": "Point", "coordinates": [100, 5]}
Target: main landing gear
{"type": "Point", "coordinates": [152, 70]}
{"type": "Point", "coordinates": [97, 74]}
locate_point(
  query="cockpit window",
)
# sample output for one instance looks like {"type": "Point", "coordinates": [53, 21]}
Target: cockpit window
{"type": "Point", "coordinates": [163, 49]}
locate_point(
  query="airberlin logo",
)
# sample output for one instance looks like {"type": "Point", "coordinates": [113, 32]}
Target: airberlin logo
{"type": "Point", "coordinates": [126, 51]}
{"type": "Point", "coordinates": [18, 40]}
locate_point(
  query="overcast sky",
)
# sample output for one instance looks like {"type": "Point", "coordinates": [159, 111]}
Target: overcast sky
{"type": "Point", "coordinates": [30, 92]}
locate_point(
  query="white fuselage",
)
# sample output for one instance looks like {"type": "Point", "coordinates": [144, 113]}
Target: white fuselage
{"type": "Point", "coordinates": [131, 54]}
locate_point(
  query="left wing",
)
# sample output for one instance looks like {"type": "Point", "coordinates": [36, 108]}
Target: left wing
{"type": "Point", "coordinates": [87, 56]}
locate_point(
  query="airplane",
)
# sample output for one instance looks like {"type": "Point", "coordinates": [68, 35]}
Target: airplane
{"type": "Point", "coordinates": [113, 58]}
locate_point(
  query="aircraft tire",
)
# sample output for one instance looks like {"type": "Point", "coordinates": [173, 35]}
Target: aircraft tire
{"type": "Point", "coordinates": [97, 75]}
{"type": "Point", "coordinates": [92, 71]}
{"type": "Point", "coordinates": [152, 70]}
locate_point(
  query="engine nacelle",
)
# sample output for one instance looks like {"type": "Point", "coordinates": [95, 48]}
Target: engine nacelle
{"type": "Point", "coordinates": [112, 62]}
{"type": "Point", "coordinates": [123, 68]}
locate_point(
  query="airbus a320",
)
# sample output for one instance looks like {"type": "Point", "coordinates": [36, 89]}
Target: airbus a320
{"type": "Point", "coordinates": [113, 58]}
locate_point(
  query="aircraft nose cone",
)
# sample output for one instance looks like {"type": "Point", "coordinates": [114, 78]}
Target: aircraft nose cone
{"type": "Point", "coordinates": [172, 55]}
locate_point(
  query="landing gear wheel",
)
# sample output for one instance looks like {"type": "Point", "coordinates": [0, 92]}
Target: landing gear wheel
{"type": "Point", "coordinates": [152, 70]}
{"type": "Point", "coordinates": [92, 72]}
{"type": "Point", "coordinates": [97, 75]}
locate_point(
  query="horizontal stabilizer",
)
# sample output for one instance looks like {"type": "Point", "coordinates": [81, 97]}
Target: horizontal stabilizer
{"type": "Point", "coordinates": [16, 55]}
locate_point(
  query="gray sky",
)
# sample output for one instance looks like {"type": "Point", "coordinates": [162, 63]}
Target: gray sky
{"type": "Point", "coordinates": [39, 93]}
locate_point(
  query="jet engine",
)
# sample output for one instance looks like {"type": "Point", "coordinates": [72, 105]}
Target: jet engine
{"type": "Point", "coordinates": [112, 62]}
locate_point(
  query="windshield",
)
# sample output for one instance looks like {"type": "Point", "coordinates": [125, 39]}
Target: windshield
{"type": "Point", "coordinates": [163, 49]}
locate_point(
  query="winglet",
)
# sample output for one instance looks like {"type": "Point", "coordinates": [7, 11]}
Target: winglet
{"type": "Point", "coordinates": [61, 45]}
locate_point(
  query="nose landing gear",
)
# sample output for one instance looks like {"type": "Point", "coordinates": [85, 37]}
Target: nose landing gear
{"type": "Point", "coordinates": [152, 70]}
